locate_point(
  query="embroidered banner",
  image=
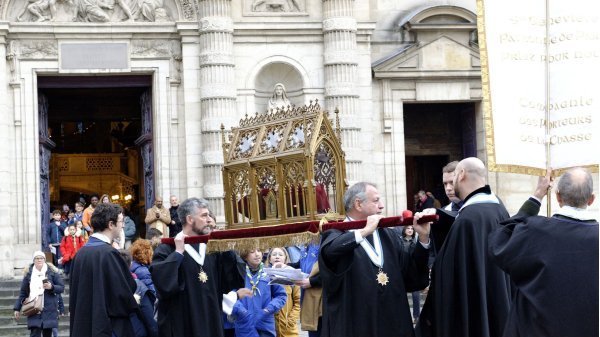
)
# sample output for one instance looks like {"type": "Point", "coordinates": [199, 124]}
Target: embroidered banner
{"type": "Point", "coordinates": [539, 68]}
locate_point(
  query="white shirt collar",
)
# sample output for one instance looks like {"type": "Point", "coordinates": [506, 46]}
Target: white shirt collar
{"type": "Point", "coordinates": [575, 213]}
{"type": "Point", "coordinates": [102, 237]}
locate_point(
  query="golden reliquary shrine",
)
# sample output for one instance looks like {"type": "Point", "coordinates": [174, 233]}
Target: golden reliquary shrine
{"type": "Point", "coordinates": [283, 166]}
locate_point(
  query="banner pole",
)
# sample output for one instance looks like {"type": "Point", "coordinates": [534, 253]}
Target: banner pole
{"type": "Point", "coordinates": [547, 109]}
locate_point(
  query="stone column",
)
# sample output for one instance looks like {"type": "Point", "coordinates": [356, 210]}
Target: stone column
{"type": "Point", "coordinates": [341, 76]}
{"type": "Point", "coordinates": [217, 93]}
{"type": "Point", "coordinates": [192, 149]}
{"type": "Point", "coordinates": [8, 239]}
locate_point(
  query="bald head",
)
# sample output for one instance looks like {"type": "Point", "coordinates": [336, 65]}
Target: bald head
{"type": "Point", "coordinates": [470, 174]}
{"type": "Point", "coordinates": [158, 201]}
{"type": "Point", "coordinates": [474, 166]}
{"type": "Point", "coordinates": [576, 188]}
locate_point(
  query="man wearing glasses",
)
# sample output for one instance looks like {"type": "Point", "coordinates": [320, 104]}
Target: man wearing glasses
{"type": "Point", "coordinates": [101, 286]}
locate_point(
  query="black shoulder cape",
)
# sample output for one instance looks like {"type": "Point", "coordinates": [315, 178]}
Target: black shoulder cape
{"type": "Point", "coordinates": [469, 295]}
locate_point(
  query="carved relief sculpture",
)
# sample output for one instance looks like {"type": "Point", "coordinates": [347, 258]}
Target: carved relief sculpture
{"type": "Point", "coordinates": [11, 59]}
{"type": "Point", "coordinates": [94, 10]}
{"type": "Point", "coordinates": [37, 49]}
{"type": "Point", "coordinates": [38, 8]}
{"type": "Point", "coordinates": [275, 6]}
{"type": "Point", "coordinates": [149, 10]}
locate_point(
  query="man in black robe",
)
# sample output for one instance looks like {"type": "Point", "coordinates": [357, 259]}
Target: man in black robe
{"type": "Point", "coordinates": [366, 274]}
{"type": "Point", "coordinates": [101, 286]}
{"type": "Point", "coordinates": [468, 295]}
{"type": "Point", "coordinates": [552, 261]}
{"type": "Point", "coordinates": [190, 283]}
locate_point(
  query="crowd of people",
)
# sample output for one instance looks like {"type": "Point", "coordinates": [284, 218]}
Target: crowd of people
{"type": "Point", "coordinates": [488, 274]}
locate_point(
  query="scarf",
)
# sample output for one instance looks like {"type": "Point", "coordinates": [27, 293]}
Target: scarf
{"type": "Point", "coordinates": [36, 286]}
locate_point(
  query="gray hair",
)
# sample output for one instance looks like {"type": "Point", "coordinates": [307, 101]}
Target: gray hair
{"type": "Point", "coordinates": [189, 206]}
{"type": "Point", "coordinates": [356, 191]}
{"type": "Point", "coordinates": [576, 187]}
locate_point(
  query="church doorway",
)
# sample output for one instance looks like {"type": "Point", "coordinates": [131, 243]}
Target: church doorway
{"type": "Point", "coordinates": [435, 134]}
{"type": "Point", "coordinates": [95, 138]}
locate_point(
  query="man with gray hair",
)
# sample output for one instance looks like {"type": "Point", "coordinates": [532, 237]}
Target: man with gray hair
{"type": "Point", "coordinates": [552, 261]}
{"type": "Point", "coordinates": [363, 293]}
{"type": "Point", "coordinates": [469, 296]}
{"type": "Point", "coordinates": [190, 283]}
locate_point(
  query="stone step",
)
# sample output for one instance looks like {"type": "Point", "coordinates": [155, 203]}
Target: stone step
{"type": "Point", "coordinates": [14, 292]}
{"type": "Point", "coordinates": [11, 283]}
{"type": "Point", "coordinates": [9, 292]}
{"type": "Point", "coordinates": [9, 301]}
{"type": "Point", "coordinates": [20, 329]}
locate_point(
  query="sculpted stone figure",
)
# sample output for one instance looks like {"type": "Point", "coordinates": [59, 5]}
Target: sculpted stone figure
{"type": "Point", "coordinates": [37, 8]}
{"type": "Point", "coordinates": [279, 98]}
{"type": "Point", "coordinates": [149, 10]}
{"type": "Point", "coordinates": [94, 10]}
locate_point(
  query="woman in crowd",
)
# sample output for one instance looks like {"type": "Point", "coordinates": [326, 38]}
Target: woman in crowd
{"type": "Point", "coordinates": [41, 279]}
{"type": "Point", "coordinates": [142, 321]}
{"type": "Point", "coordinates": [105, 199]}
{"type": "Point", "coordinates": [286, 320]}
{"type": "Point", "coordinates": [141, 252]}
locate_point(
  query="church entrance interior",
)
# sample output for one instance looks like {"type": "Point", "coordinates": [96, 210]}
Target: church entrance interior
{"type": "Point", "coordinates": [435, 134]}
{"type": "Point", "coordinates": [94, 137]}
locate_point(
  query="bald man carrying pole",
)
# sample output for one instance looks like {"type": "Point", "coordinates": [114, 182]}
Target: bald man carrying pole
{"type": "Point", "coordinates": [469, 295]}
{"type": "Point", "coordinates": [553, 261]}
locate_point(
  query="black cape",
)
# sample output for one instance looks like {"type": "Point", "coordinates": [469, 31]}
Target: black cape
{"type": "Point", "coordinates": [469, 295]}
{"type": "Point", "coordinates": [101, 292]}
{"type": "Point", "coordinates": [354, 304]}
{"type": "Point", "coordinates": [186, 306]}
{"type": "Point", "coordinates": [440, 229]}
{"type": "Point", "coordinates": [554, 265]}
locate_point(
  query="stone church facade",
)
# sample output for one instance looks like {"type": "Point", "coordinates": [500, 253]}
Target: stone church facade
{"type": "Point", "coordinates": [212, 62]}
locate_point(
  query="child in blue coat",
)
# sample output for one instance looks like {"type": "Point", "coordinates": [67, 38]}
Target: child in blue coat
{"type": "Point", "coordinates": [266, 299]}
{"type": "Point", "coordinates": [55, 231]}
